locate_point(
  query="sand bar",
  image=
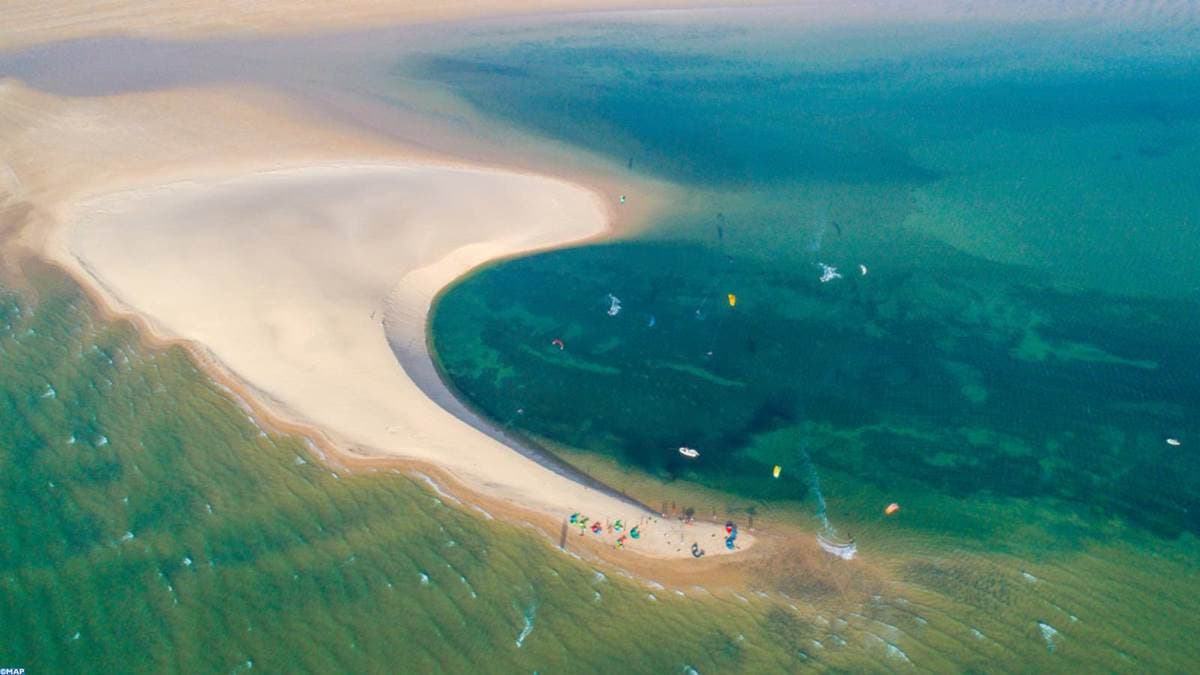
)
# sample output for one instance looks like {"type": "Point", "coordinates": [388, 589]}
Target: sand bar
{"type": "Point", "coordinates": [296, 280]}
{"type": "Point", "coordinates": [222, 215]}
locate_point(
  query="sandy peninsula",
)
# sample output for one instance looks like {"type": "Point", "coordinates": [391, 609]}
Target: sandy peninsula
{"type": "Point", "coordinates": [299, 260]}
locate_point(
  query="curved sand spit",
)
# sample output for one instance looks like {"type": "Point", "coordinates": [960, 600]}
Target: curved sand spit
{"type": "Point", "coordinates": [309, 283]}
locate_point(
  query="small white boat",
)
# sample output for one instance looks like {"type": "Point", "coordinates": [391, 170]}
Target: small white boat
{"type": "Point", "coordinates": [689, 452]}
{"type": "Point", "coordinates": [1173, 441]}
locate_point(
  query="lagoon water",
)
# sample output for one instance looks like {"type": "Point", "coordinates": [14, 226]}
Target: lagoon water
{"type": "Point", "coordinates": [1007, 364]}
{"type": "Point", "coordinates": [1025, 200]}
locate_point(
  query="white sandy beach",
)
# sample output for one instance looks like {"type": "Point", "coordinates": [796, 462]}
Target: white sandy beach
{"type": "Point", "coordinates": [290, 278]}
{"type": "Point", "coordinates": [258, 237]}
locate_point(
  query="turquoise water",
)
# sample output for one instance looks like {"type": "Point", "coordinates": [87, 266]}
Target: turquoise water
{"type": "Point", "coordinates": [1008, 369]}
{"type": "Point", "coordinates": [959, 378]}
{"type": "Point", "coordinates": [1037, 145]}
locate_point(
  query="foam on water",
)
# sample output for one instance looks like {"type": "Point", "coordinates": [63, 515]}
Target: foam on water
{"type": "Point", "coordinates": [527, 616]}
{"type": "Point", "coordinates": [1049, 634]}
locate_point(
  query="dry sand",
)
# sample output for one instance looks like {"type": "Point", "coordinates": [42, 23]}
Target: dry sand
{"type": "Point", "coordinates": [29, 22]}
{"type": "Point", "coordinates": [244, 228]}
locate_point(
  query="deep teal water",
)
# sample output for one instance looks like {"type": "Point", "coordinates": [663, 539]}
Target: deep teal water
{"type": "Point", "coordinates": [1009, 369]}
{"type": "Point", "coordinates": [1028, 325]}
{"type": "Point", "coordinates": [960, 378]}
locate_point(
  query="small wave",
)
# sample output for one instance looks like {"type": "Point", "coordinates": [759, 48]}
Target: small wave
{"type": "Point", "coordinates": [897, 653]}
{"type": "Point", "coordinates": [614, 305]}
{"type": "Point", "coordinates": [1049, 634]}
{"type": "Point", "coordinates": [828, 273]}
{"type": "Point", "coordinates": [438, 488]}
{"type": "Point", "coordinates": [528, 616]}
{"type": "Point", "coordinates": [845, 551]}
{"type": "Point", "coordinates": [312, 447]}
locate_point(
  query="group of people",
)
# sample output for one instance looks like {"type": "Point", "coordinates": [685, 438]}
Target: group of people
{"type": "Point", "coordinates": [617, 527]}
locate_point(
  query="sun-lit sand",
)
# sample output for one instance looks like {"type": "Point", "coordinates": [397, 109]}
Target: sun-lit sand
{"type": "Point", "coordinates": [30, 22]}
{"type": "Point", "coordinates": [290, 255]}
{"type": "Point", "coordinates": [27, 22]}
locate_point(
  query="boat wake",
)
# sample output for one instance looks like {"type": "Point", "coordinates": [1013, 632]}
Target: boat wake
{"type": "Point", "coordinates": [827, 538]}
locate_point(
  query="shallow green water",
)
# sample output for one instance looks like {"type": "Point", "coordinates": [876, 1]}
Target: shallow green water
{"type": "Point", "coordinates": [1008, 370]}
{"type": "Point", "coordinates": [150, 526]}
